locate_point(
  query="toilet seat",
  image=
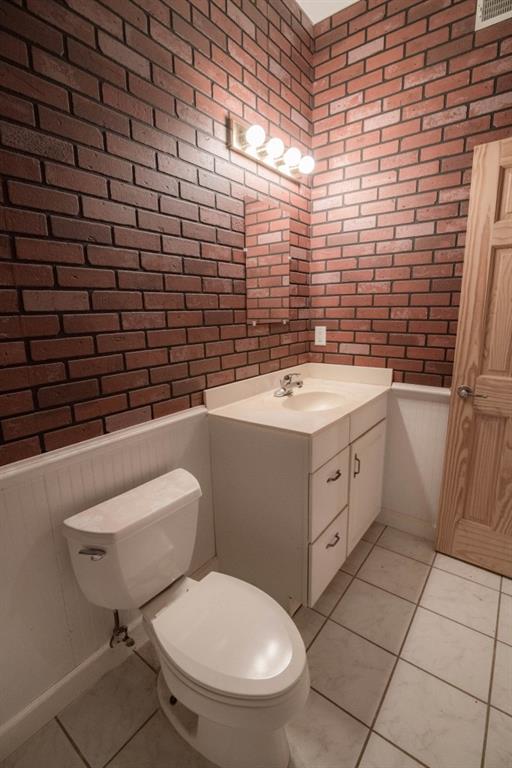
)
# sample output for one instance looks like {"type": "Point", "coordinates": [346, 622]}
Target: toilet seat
{"type": "Point", "coordinates": [228, 638]}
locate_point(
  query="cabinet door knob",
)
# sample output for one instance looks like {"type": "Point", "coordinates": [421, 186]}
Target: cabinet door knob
{"type": "Point", "coordinates": [336, 476]}
{"type": "Point", "coordinates": [357, 467]}
{"type": "Point", "coordinates": [333, 541]}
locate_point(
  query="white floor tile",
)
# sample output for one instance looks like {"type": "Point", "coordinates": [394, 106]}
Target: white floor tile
{"type": "Point", "coordinates": [373, 532]}
{"type": "Point", "coordinates": [48, 748]}
{"type": "Point", "coordinates": [308, 622]}
{"type": "Point", "coordinates": [356, 557]}
{"type": "Point", "coordinates": [324, 736]}
{"type": "Point", "coordinates": [465, 601]}
{"type": "Point", "coordinates": [407, 544]}
{"type": "Point", "coordinates": [467, 571]}
{"type": "Point", "coordinates": [107, 715]}
{"type": "Point", "coordinates": [505, 620]}
{"type": "Point", "coordinates": [431, 720]}
{"type": "Point", "coordinates": [377, 615]}
{"type": "Point", "coordinates": [158, 745]}
{"type": "Point", "coordinates": [379, 753]}
{"type": "Point", "coordinates": [396, 573]}
{"type": "Point", "coordinates": [349, 670]}
{"type": "Point", "coordinates": [332, 594]}
{"type": "Point", "coordinates": [455, 653]}
{"type": "Point", "coordinates": [498, 753]}
{"type": "Point", "coordinates": [502, 678]}
{"type": "Point", "coordinates": [506, 585]}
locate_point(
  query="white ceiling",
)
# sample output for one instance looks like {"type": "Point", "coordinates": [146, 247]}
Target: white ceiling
{"type": "Point", "coordinates": [321, 9]}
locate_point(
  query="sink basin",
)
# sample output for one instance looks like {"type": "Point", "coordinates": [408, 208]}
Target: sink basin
{"type": "Point", "coordinates": [314, 401]}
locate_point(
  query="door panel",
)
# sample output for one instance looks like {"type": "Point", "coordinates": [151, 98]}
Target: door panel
{"type": "Point", "coordinates": [475, 521]}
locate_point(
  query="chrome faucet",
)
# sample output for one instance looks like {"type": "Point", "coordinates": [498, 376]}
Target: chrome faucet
{"type": "Point", "coordinates": [288, 384]}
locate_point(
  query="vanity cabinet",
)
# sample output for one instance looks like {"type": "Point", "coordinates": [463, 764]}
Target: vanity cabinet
{"type": "Point", "coordinates": [290, 507]}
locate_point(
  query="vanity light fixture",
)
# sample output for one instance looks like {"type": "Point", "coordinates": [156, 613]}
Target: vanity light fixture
{"type": "Point", "coordinates": [292, 157]}
{"type": "Point", "coordinates": [274, 148]}
{"type": "Point", "coordinates": [307, 165]}
{"type": "Point", "coordinates": [252, 141]}
{"type": "Point", "coordinates": [255, 136]}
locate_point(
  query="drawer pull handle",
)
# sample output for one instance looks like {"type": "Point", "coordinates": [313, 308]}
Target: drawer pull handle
{"type": "Point", "coordinates": [336, 476]}
{"type": "Point", "coordinates": [334, 541]}
{"type": "Point", "coordinates": [357, 468]}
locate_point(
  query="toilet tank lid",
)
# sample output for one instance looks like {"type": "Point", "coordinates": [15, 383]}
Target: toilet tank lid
{"type": "Point", "coordinates": [145, 504]}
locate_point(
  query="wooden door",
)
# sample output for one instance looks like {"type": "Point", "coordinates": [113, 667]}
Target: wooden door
{"type": "Point", "coordinates": [365, 499]}
{"type": "Point", "coordinates": [475, 522]}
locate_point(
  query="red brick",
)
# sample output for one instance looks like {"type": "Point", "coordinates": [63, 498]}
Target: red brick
{"type": "Point", "coordinates": [70, 435]}
{"type": "Point", "coordinates": [31, 424]}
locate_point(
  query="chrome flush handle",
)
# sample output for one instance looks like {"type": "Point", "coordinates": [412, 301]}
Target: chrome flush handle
{"type": "Point", "coordinates": [95, 553]}
{"type": "Point", "coordinates": [465, 391]}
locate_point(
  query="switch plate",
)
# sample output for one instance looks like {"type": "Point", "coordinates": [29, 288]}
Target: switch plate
{"type": "Point", "coordinates": [320, 335]}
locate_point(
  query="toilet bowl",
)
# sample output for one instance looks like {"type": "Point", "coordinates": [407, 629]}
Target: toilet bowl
{"type": "Point", "coordinates": [233, 664]}
{"type": "Point", "coordinates": [233, 657]}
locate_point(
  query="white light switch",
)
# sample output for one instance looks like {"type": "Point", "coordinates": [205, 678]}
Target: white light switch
{"type": "Point", "coordinates": [320, 335]}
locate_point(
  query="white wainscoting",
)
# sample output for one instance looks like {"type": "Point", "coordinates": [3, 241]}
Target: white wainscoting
{"type": "Point", "coordinates": [416, 435]}
{"type": "Point", "coordinates": [50, 635]}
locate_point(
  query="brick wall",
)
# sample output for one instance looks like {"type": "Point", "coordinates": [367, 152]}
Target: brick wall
{"type": "Point", "coordinates": [121, 209]}
{"type": "Point", "coordinates": [403, 92]}
{"type": "Point", "coordinates": [121, 263]}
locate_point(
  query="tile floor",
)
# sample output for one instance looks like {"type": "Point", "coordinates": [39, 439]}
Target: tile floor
{"type": "Point", "coordinates": [411, 665]}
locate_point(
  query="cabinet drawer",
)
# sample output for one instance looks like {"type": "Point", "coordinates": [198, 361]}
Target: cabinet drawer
{"type": "Point", "coordinates": [326, 555]}
{"type": "Point", "coordinates": [328, 489]}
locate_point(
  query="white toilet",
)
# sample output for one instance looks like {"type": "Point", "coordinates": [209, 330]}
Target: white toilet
{"type": "Point", "coordinates": [229, 654]}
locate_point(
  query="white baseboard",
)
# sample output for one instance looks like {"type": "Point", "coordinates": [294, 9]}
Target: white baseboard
{"type": "Point", "coordinates": [407, 523]}
{"type": "Point", "coordinates": [40, 711]}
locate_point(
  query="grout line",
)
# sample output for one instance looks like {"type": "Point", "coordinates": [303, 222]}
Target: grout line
{"type": "Point", "coordinates": [73, 743]}
{"type": "Point", "coordinates": [416, 559]}
{"type": "Point", "coordinates": [383, 589]}
{"type": "Point", "coordinates": [397, 659]}
{"type": "Point", "coordinates": [460, 623]}
{"type": "Point", "coordinates": [334, 703]}
{"type": "Point", "coordinates": [358, 634]}
{"type": "Point", "coordinates": [146, 662]}
{"type": "Point", "coordinates": [146, 721]}
{"type": "Point", "coordinates": [404, 751]}
{"type": "Point", "coordinates": [326, 618]}
{"type": "Point", "coordinates": [491, 681]}
{"type": "Point", "coordinates": [465, 578]}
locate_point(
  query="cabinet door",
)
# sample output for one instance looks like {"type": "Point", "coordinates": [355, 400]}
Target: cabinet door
{"type": "Point", "coordinates": [367, 469]}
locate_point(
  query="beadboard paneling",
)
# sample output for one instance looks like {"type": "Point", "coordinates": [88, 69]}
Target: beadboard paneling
{"type": "Point", "coordinates": [416, 435]}
{"type": "Point", "coordinates": [48, 627]}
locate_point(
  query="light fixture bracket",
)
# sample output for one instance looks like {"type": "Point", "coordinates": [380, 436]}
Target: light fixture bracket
{"type": "Point", "coordinates": [236, 142]}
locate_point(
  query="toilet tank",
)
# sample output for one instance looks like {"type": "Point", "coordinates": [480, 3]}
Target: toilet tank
{"type": "Point", "coordinates": [129, 548]}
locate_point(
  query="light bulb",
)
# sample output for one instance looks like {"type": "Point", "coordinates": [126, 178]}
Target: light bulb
{"type": "Point", "coordinates": [275, 148]}
{"type": "Point", "coordinates": [307, 164]}
{"type": "Point", "coordinates": [292, 157]}
{"type": "Point", "coordinates": [255, 136]}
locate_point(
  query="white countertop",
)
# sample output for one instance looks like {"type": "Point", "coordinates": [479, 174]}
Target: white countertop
{"type": "Point", "coordinates": [264, 409]}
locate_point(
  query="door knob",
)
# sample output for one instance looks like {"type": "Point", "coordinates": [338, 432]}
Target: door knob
{"type": "Point", "coordinates": [465, 391]}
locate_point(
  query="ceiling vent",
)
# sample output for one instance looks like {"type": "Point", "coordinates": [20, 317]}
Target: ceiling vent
{"type": "Point", "coordinates": [492, 11]}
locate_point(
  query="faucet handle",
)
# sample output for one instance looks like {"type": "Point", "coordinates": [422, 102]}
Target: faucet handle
{"type": "Point", "coordinates": [289, 377]}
